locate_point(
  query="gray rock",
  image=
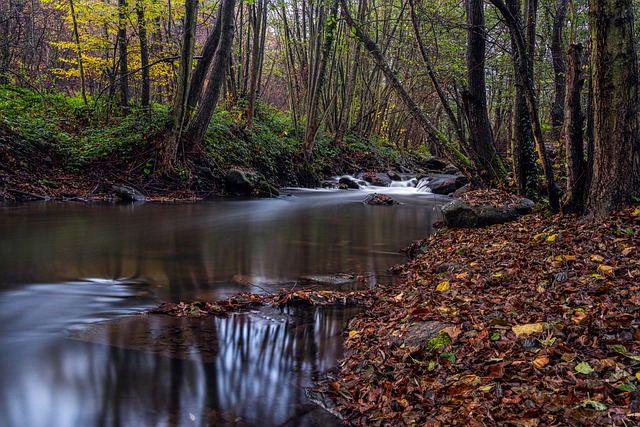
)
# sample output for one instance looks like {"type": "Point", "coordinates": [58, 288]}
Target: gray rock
{"type": "Point", "coordinates": [395, 176]}
{"type": "Point", "coordinates": [128, 193]}
{"type": "Point", "coordinates": [459, 214]}
{"type": "Point", "coordinates": [248, 182]}
{"type": "Point", "coordinates": [379, 200]}
{"type": "Point", "coordinates": [348, 182]}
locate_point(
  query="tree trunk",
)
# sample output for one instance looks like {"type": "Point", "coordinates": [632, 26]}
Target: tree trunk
{"type": "Point", "coordinates": [559, 66]}
{"type": "Point", "coordinates": [480, 136]}
{"type": "Point", "coordinates": [317, 75]}
{"type": "Point", "coordinates": [214, 80]}
{"type": "Point", "coordinates": [616, 144]}
{"type": "Point", "coordinates": [523, 72]}
{"type": "Point", "coordinates": [523, 147]}
{"type": "Point", "coordinates": [144, 55]}
{"type": "Point", "coordinates": [76, 39]}
{"type": "Point", "coordinates": [258, 21]}
{"type": "Point", "coordinates": [200, 72]}
{"type": "Point", "coordinates": [170, 150]}
{"type": "Point", "coordinates": [574, 145]}
{"type": "Point", "coordinates": [436, 137]}
{"type": "Point", "coordinates": [122, 53]}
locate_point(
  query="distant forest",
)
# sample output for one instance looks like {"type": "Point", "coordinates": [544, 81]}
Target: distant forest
{"type": "Point", "coordinates": [541, 91]}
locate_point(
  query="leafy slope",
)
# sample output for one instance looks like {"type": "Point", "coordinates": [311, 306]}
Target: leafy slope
{"type": "Point", "coordinates": [539, 324]}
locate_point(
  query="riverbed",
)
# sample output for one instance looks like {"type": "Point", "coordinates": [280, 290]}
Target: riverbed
{"type": "Point", "coordinates": [74, 278]}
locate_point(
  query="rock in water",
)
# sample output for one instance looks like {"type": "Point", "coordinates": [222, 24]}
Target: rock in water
{"type": "Point", "coordinates": [127, 193]}
{"type": "Point", "coordinates": [459, 214]}
{"type": "Point", "coordinates": [379, 199]}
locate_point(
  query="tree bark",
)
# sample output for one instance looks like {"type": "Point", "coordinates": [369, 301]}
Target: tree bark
{"type": "Point", "coordinates": [200, 72]}
{"type": "Point", "coordinates": [76, 38]}
{"type": "Point", "coordinates": [524, 72]}
{"type": "Point", "coordinates": [317, 75]}
{"type": "Point", "coordinates": [559, 66]}
{"type": "Point", "coordinates": [122, 54]}
{"type": "Point", "coordinates": [447, 149]}
{"type": "Point", "coordinates": [258, 21]}
{"type": "Point", "coordinates": [179, 114]}
{"type": "Point", "coordinates": [144, 54]}
{"type": "Point", "coordinates": [573, 136]}
{"type": "Point", "coordinates": [616, 144]}
{"type": "Point", "coordinates": [215, 78]}
{"type": "Point", "coordinates": [480, 135]}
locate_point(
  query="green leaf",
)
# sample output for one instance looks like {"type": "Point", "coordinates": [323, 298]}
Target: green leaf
{"type": "Point", "coordinates": [549, 342]}
{"type": "Point", "coordinates": [442, 340]}
{"type": "Point", "coordinates": [595, 405]}
{"type": "Point", "coordinates": [584, 368]}
{"type": "Point", "coordinates": [627, 387]}
{"type": "Point", "coordinates": [451, 357]}
{"type": "Point", "coordinates": [618, 348]}
{"type": "Point", "coordinates": [496, 336]}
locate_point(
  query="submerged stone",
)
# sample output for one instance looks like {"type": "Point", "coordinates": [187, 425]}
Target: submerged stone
{"type": "Point", "coordinates": [379, 199]}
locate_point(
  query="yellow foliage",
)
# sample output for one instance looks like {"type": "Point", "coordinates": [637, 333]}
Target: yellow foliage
{"type": "Point", "coordinates": [443, 286]}
{"type": "Point", "coordinates": [527, 329]}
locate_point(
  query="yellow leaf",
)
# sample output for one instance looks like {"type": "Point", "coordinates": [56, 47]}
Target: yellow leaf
{"type": "Point", "coordinates": [399, 296]}
{"type": "Point", "coordinates": [541, 361]}
{"type": "Point", "coordinates": [596, 258]}
{"type": "Point", "coordinates": [443, 286]}
{"type": "Point", "coordinates": [552, 238]}
{"type": "Point", "coordinates": [353, 334]}
{"type": "Point", "coordinates": [629, 250]}
{"type": "Point", "coordinates": [537, 236]}
{"type": "Point", "coordinates": [636, 211]}
{"type": "Point", "coordinates": [606, 269]}
{"type": "Point", "coordinates": [527, 329]}
{"type": "Point", "coordinates": [638, 376]}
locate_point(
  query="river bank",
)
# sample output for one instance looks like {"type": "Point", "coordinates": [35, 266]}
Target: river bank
{"type": "Point", "coordinates": [530, 323]}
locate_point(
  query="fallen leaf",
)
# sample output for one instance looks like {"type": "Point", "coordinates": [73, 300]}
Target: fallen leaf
{"type": "Point", "coordinates": [399, 296]}
{"type": "Point", "coordinates": [541, 361]}
{"type": "Point", "coordinates": [527, 329]}
{"type": "Point", "coordinates": [584, 368]}
{"type": "Point", "coordinates": [443, 286]}
{"type": "Point", "coordinates": [596, 258]}
{"type": "Point", "coordinates": [552, 238]}
{"type": "Point", "coordinates": [606, 269]}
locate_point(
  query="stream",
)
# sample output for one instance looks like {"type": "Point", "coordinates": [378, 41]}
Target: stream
{"type": "Point", "coordinates": [74, 278]}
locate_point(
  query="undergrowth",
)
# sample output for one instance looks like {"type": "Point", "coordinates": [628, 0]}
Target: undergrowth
{"type": "Point", "coordinates": [96, 133]}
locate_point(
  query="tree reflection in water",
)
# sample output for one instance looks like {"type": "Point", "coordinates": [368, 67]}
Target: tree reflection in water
{"type": "Point", "coordinates": [248, 369]}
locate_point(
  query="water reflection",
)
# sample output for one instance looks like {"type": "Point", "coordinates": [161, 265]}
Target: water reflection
{"type": "Point", "coordinates": [84, 272]}
{"type": "Point", "coordinates": [156, 370]}
{"type": "Point", "coordinates": [213, 248]}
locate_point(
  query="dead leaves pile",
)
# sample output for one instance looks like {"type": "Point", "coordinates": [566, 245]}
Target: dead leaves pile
{"type": "Point", "coordinates": [537, 323]}
{"type": "Point", "coordinates": [246, 301]}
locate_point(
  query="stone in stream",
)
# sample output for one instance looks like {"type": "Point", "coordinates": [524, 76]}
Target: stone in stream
{"type": "Point", "coordinates": [128, 193]}
{"type": "Point", "coordinates": [459, 214]}
{"type": "Point", "coordinates": [379, 200]}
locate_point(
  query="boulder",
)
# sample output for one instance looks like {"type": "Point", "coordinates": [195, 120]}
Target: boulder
{"type": "Point", "coordinates": [441, 183]}
{"type": "Point", "coordinates": [435, 164]}
{"type": "Point", "coordinates": [459, 214]}
{"type": "Point", "coordinates": [379, 200]}
{"type": "Point", "coordinates": [395, 176]}
{"type": "Point", "coordinates": [348, 182]}
{"type": "Point", "coordinates": [241, 182]}
{"type": "Point", "coordinates": [377, 179]}
{"type": "Point", "coordinates": [128, 193]}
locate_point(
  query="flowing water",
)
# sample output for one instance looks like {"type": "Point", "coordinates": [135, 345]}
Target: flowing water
{"type": "Point", "coordinates": [74, 350]}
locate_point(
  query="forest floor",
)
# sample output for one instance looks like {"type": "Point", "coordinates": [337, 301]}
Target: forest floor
{"type": "Point", "coordinates": [531, 323]}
